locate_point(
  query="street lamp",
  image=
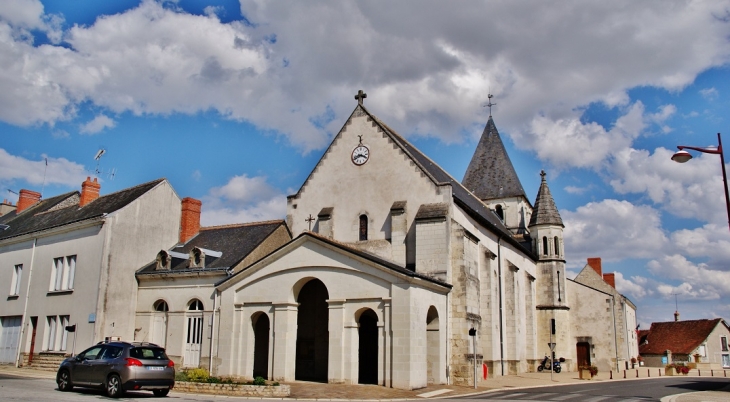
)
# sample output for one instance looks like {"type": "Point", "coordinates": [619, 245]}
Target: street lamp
{"type": "Point", "coordinates": [682, 156]}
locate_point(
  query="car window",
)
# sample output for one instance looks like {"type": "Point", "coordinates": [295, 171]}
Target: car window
{"type": "Point", "coordinates": [90, 354]}
{"type": "Point", "coordinates": [148, 353]}
{"type": "Point", "coordinates": [111, 352]}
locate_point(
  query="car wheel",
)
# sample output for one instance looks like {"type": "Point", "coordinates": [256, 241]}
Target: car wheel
{"type": "Point", "coordinates": [161, 392]}
{"type": "Point", "coordinates": [63, 379]}
{"type": "Point", "coordinates": [114, 386]}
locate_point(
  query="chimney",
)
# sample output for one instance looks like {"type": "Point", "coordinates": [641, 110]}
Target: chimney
{"type": "Point", "coordinates": [89, 191]}
{"type": "Point", "coordinates": [676, 316]}
{"type": "Point", "coordinates": [610, 279]}
{"type": "Point", "coordinates": [6, 207]}
{"type": "Point", "coordinates": [27, 199]}
{"type": "Point", "coordinates": [595, 263]}
{"type": "Point", "coordinates": [190, 219]}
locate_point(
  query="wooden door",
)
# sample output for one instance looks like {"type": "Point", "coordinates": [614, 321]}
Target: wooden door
{"type": "Point", "coordinates": [583, 353]}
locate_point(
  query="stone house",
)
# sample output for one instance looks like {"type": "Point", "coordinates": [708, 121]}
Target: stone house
{"type": "Point", "coordinates": [679, 342]}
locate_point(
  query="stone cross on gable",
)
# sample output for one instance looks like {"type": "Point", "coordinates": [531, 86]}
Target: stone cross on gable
{"type": "Point", "coordinates": [309, 220]}
{"type": "Point", "coordinates": [543, 174]}
{"type": "Point", "coordinates": [360, 96]}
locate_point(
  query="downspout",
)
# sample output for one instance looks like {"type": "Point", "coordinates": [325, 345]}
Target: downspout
{"type": "Point", "coordinates": [626, 330]}
{"type": "Point", "coordinates": [448, 336]}
{"type": "Point", "coordinates": [501, 326]}
{"type": "Point", "coordinates": [615, 340]}
{"type": "Point", "coordinates": [212, 332]}
{"type": "Point", "coordinates": [27, 296]}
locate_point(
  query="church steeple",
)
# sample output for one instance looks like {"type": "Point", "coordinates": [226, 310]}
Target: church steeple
{"type": "Point", "coordinates": [490, 174]}
{"type": "Point", "coordinates": [545, 212]}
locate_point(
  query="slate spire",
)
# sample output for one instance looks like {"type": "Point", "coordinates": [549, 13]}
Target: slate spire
{"type": "Point", "coordinates": [490, 174]}
{"type": "Point", "coordinates": [545, 212]}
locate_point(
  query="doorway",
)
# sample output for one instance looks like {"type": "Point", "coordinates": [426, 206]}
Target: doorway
{"type": "Point", "coordinates": [312, 332]}
{"type": "Point", "coordinates": [368, 348]}
{"type": "Point", "coordinates": [261, 346]}
{"type": "Point", "coordinates": [194, 337]}
{"type": "Point", "coordinates": [583, 354]}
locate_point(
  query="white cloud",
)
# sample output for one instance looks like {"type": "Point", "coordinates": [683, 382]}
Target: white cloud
{"type": "Point", "coordinates": [709, 93]}
{"type": "Point", "coordinates": [612, 229]}
{"type": "Point", "coordinates": [637, 287]}
{"type": "Point", "coordinates": [698, 281]}
{"type": "Point", "coordinates": [98, 124]}
{"type": "Point", "coordinates": [157, 60]}
{"type": "Point", "coordinates": [243, 199]}
{"type": "Point", "coordinates": [59, 171]}
{"type": "Point", "coordinates": [710, 241]}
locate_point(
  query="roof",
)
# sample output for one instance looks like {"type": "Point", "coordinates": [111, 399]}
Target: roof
{"type": "Point", "coordinates": [490, 173]}
{"type": "Point", "coordinates": [431, 211]}
{"type": "Point", "coordinates": [545, 212]}
{"type": "Point", "coordinates": [350, 250]}
{"type": "Point", "coordinates": [681, 337]}
{"type": "Point", "coordinates": [235, 242]}
{"type": "Point", "coordinates": [64, 209]}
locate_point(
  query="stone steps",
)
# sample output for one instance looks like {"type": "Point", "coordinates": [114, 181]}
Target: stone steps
{"type": "Point", "coordinates": [46, 362]}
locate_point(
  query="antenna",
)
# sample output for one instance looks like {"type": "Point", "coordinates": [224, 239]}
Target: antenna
{"type": "Point", "coordinates": [98, 171]}
{"type": "Point", "coordinates": [11, 191]}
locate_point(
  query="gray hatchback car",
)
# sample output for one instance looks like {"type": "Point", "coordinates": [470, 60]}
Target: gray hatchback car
{"type": "Point", "coordinates": [117, 367]}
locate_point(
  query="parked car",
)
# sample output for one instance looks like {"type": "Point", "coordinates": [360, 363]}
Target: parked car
{"type": "Point", "coordinates": [117, 367]}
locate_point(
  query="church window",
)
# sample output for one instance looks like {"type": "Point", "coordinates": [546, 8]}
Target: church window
{"type": "Point", "coordinates": [557, 246]}
{"type": "Point", "coordinates": [363, 227]}
{"type": "Point", "coordinates": [195, 305]}
{"type": "Point", "coordinates": [161, 305]}
{"type": "Point", "coordinates": [500, 212]}
{"type": "Point", "coordinates": [544, 245]}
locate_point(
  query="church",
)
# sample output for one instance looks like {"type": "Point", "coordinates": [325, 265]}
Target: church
{"type": "Point", "coordinates": [386, 270]}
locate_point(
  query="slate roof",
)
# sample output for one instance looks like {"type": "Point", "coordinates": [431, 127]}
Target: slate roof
{"type": "Point", "coordinates": [430, 211]}
{"type": "Point", "coordinates": [681, 337]}
{"type": "Point", "coordinates": [51, 213]}
{"type": "Point", "coordinates": [235, 242]}
{"type": "Point", "coordinates": [351, 250]}
{"type": "Point", "coordinates": [545, 212]}
{"type": "Point", "coordinates": [490, 174]}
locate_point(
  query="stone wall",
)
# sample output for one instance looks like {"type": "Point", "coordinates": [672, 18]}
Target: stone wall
{"type": "Point", "coordinates": [263, 391]}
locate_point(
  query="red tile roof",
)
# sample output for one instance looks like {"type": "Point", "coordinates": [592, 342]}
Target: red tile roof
{"type": "Point", "coordinates": [681, 337]}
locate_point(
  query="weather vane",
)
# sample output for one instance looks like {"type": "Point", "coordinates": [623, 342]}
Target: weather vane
{"type": "Point", "coordinates": [489, 104]}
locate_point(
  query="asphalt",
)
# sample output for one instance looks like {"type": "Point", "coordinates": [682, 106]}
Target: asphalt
{"type": "Point", "coordinates": [301, 390]}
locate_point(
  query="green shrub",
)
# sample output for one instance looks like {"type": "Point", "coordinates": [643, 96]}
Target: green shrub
{"type": "Point", "coordinates": [198, 375]}
{"type": "Point", "coordinates": [259, 381]}
{"type": "Point", "coordinates": [276, 383]}
{"type": "Point", "coordinates": [181, 376]}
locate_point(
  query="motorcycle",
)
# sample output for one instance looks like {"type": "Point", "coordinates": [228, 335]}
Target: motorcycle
{"type": "Point", "coordinates": [545, 365]}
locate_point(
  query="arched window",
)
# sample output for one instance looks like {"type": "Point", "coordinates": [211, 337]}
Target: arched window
{"type": "Point", "coordinates": [363, 227]}
{"type": "Point", "coordinates": [161, 305]}
{"type": "Point", "coordinates": [544, 245]}
{"type": "Point", "coordinates": [500, 212]}
{"type": "Point", "coordinates": [195, 305]}
{"type": "Point", "coordinates": [557, 246]}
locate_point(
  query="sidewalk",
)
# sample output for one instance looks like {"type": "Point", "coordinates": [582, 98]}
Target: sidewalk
{"type": "Point", "coordinates": [317, 391]}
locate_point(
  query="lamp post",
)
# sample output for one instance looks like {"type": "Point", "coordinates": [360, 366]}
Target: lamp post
{"type": "Point", "coordinates": [682, 156]}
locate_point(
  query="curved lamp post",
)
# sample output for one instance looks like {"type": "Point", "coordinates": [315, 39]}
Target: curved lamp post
{"type": "Point", "coordinates": [682, 156]}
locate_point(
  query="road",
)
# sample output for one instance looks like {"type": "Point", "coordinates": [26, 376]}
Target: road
{"type": "Point", "coordinates": [613, 391]}
{"type": "Point", "coordinates": [33, 389]}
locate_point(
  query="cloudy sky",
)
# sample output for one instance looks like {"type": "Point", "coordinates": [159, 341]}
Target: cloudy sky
{"type": "Point", "coordinates": [234, 102]}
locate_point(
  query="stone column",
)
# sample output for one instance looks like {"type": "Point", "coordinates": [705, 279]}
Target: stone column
{"type": "Point", "coordinates": [387, 344]}
{"type": "Point", "coordinates": [285, 341]}
{"type": "Point", "coordinates": [381, 353]}
{"type": "Point", "coordinates": [335, 365]}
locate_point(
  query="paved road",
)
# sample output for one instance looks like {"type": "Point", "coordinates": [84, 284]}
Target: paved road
{"type": "Point", "coordinates": [624, 391]}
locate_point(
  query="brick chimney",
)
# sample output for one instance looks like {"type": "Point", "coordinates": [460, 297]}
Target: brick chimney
{"type": "Point", "coordinates": [27, 199]}
{"type": "Point", "coordinates": [190, 218]}
{"type": "Point", "coordinates": [89, 191]}
{"type": "Point", "coordinates": [610, 279]}
{"type": "Point", "coordinates": [595, 263]}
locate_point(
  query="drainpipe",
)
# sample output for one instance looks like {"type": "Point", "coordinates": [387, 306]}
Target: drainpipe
{"type": "Point", "coordinates": [615, 340]}
{"type": "Point", "coordinates": [501, 326]}
{"type": "Point", "coordinates": [27, 296]}
{"type": "Point", "coordinates": [212, 332]}
{"type": "Point", "coordinates": [448, 336]}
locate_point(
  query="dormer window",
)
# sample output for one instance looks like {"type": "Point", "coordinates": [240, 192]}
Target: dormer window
{"type": "Point", "coordinates": [164, 261]}
{"type": "Point", "coordinates": [500, 212]}
{"type": "Point", "coordinates": [198, 256]}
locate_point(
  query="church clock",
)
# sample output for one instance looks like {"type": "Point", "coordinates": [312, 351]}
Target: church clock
{"type": "Point", "coordinates": [360, 154]}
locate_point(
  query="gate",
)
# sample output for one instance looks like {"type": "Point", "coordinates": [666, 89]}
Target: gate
{"type": "Point", "coordinates": [9, 338]}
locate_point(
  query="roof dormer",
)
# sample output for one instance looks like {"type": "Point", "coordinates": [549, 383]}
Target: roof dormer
{"type": "Point", "coordinates": [198, 256]}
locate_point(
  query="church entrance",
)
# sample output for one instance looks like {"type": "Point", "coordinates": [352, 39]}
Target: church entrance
{"type": "Point", "coordinates": [261, 346]}
{"type": "Point", "coordinates": [583, 354]}
{"type": "Point", "coordinates": [368, 348]}
{"type": "Point", "coordinates": [312, 332]}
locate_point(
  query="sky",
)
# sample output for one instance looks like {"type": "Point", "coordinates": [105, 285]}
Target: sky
{"type": "Point", "coordinates": [235, 102]}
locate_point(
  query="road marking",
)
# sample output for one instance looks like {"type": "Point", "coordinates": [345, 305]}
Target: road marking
{"type": "Point", "coordinates": [597, 398]}
{"type": "Point", "coordinates": [434, 393]}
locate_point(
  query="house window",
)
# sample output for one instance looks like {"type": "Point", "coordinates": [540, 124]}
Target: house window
{"type": "Point", "coordinates": [723, 342]}
{"type": "Point", "coordinates": [363, 227]}
{"type": "Point", "coordinates": [161, 305]}
{"type": "Point", "coordinates": [64, 332]}
{"type": "Point", "coordinates": [195, 305]}
{"type": "Point", "coordinates": [544, 245]}
{"type": "Point", "coordinates": [51, 329]}
{"type": "Point", "coordinates": [64, 270]}
{"type": "Point", "coordinates": [15, 283]}
{"type": "Point", "coordinates": [557, 245]}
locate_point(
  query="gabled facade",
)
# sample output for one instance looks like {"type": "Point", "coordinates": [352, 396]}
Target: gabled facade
{"type": "Point", "coordinates": [70, 260]}
{"type": "Point", "coordinates": [681, 341]}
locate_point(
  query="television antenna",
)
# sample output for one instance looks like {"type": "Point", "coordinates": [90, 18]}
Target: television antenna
{"type": "Point", "coordinates": [98, 171]}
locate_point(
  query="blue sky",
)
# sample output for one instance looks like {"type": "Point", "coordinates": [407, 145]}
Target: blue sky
{"type": "Point", "coordinates": [234, 102]}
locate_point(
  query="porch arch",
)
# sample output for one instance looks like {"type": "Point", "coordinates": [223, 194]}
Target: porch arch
{"type": "Point", "coordinates": [261, 328]}
{"type": "Point", "coordinates": [312, 348]}
{"type": "Point", "coordinates": [367, 347]}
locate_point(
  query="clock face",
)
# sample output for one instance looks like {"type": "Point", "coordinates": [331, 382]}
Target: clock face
{"type": "Point", "coordinates": [360, 155]}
